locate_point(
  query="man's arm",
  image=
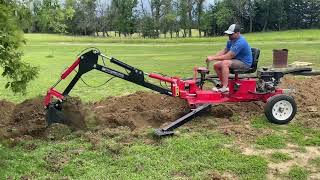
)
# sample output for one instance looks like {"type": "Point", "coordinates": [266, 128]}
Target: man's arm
{"type": "Point", "coordinates": [228, 56]}
{"type": "Point", "coordinates": [220, 53]}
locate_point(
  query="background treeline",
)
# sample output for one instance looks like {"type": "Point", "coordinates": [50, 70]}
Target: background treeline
{"type": "Point", "coordinates": [173, 18]}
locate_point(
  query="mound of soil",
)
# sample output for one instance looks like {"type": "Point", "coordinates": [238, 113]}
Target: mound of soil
{"type": "Point", "coordinates": [28, 117]}
{"type": "Point", "coordinates": [74, 113]}
{"type": "Point", "coordinates": [139, 110]}
{"type": "Point", "coordinates": [146, 109]}
{"type": "Point", "coordinates": [6, 109]}
{"type": "Point", "coordinates": [307, 98]}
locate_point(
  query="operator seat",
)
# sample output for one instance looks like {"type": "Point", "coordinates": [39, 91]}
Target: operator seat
{"type": "Point", "coordinates": [253, 68]}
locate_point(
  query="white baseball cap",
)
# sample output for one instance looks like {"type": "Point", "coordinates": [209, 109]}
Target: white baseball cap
{"type": "Point", "coordinates": [234, 28]}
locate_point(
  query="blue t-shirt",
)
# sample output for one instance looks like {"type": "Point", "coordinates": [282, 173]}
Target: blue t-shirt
{"type": "Point", "coordinates": [241, 50]}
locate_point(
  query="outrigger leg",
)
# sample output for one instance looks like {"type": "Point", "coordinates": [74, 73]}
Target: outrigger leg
{"type": "Point", "coordinates": [168, 130]}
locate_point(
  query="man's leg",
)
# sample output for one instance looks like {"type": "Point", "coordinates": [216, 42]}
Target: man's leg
{"type": "Point", "coordinates": [225, 65]}
{"type": "Point", "coordinates": [217, 67]}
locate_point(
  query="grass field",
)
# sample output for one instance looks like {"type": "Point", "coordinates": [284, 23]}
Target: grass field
{"type": "Point", "coordinates": [54, 53]}
{"type": "Point", "coordinates": [192, 155]}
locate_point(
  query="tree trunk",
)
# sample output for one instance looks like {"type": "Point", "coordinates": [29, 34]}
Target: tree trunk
{"type": "Point", "coordinates": [171, 34]}
{"type": "Point", "coordinates": [279, 24]}
{"type": "Point", "coordinates": [184, 33]}
{"type": "Point", "coordinates": [199, 33]}
{"type": "Point", "coordinates": [265, 25]}
{"type": "Point", "coordinates": [251, 23]}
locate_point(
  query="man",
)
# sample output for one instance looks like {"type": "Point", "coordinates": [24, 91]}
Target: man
{"type": "Point", "coordinates": [236, 55]}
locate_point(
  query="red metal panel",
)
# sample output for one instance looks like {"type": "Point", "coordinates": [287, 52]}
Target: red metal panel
{"type": "Point", "coordinates": [70, 69]}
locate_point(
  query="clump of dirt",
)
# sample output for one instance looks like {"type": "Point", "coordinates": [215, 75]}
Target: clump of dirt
{"type": "Point", "coordinates": [215, 175]}
{"type": "Point", "coordinates": [307, 98]}
{"type": "Point", "coordinates": [29, 117]}
{"type": "Point", "coordinates": [306, 91]}
{"type": "Point", "coordinates": [56, 161]}
{"type": "Point", "coordinates": [6, 109]}
{"type": "Point", "coordinates": [57, 131]}
{"type": "Point", "coordinates": [244, 109]}
{"type": "Point", "coordinates": [139, 110]}
{"type": "Point", "coordinates": [74, 113]}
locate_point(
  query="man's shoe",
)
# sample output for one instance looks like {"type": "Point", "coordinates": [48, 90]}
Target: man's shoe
{"type": "Point", "coordinates": [223, 89]}
{"type": "Point", "coordinates": [215, 89]}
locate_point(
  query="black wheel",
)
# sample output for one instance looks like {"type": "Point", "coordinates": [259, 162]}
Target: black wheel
{"type": "Point", "coordinates": [280, 109]}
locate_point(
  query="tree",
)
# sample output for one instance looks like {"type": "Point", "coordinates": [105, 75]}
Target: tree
{"type": "Point", "coordinates": [124, 20]}
{"type": "Point", "coordinates": [156, 6]}
{"type": "Point", "coordinates": [17, 72]}
{"type": "Point", "coordinates": [270, 13]}
{"type": "Point", "coordinates": [182, 8]}
{"type": "Point", "coordinates": [49, 16]}
{"type": "Point", "coordinates": [224, 16]}
{"type": "Point", "coordinates": [199, 12]}
{"type": "Point", "coordinates": [24, 14]}
{"type": "Point", "coordinates": [168, 19]}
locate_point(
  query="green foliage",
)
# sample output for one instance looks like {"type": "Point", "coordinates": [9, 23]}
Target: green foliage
{"type": "Point", "coordinates": [272, 141]}
{"type": "Point", "coordinates": [124, 19]}
{"type": "Point", "coordinates": [17, 72]}
{"type": "Point", "coordinates": [89, 17]}
{"type": "Point", "coordinates": [280, 157]}
{"type": "Point", "coordinates": [50, 16]}
{"type": "Point", "coordinates": [224, 16]}
{"type": "Point", "coordinates": [315, 162]}
{"type": "Point", "coordinates": [298, 173]}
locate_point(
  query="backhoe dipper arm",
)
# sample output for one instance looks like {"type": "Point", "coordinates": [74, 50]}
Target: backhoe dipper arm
{"type": "Point", "coordinates": [89, 61]}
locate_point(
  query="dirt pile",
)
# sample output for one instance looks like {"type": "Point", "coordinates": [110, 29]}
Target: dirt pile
{"type": "Point", "coordinates": [28, 118]}
{"type": "Point", "coordinates": [307, 98]}
{"type": "Point", "coordinates": [146, 109]}
{"type": "Point", "coordinates": [6, 109]}
{"type": "Point", "coordinates": [139, 110]}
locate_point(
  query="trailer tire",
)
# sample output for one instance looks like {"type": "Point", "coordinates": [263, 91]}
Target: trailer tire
{"type": "Point", "coordinates": [280, 109]}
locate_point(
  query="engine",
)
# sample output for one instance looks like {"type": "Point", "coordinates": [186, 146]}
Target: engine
{"type": "Point", "coordinates": [268, 80]}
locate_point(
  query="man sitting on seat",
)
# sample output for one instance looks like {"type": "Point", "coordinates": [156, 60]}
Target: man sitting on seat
{"type": "Point", "coordinates": [236, 55]}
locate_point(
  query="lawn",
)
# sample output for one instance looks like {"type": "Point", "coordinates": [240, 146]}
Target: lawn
{"type": "Point", "coordinates": [54, 53]}
{"type": "Point", "coordinates": [200, 150]}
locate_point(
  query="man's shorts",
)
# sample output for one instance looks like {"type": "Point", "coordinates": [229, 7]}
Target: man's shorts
{"type": "Point", "coordinates": [237, 64]}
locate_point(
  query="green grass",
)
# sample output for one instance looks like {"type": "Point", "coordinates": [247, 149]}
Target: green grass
{"type": "Point", "coordinates": [53, 54]}
{"type": "Point", "coordinates": [315, 162]}
{"type": "Point", "coordinates": [286, 36]}
{"type": "Point", "coordinates": [192, 155]}
{"type": "Point", "coordinates": [303, 136]}
{"type": "Point", "coordinates": [271, 141]}
{"type": "Point", "coordinates": [261, 122]}
{"type": "Point", "coordinates": [280, 157]}
{"type": "Point", "coordinates": [298, 173]}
